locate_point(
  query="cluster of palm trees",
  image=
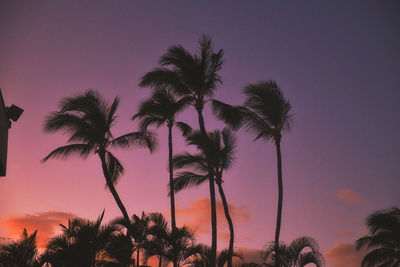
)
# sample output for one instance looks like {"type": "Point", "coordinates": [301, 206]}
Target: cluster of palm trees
{"type": "Point", "coordinates": [181, 80]}
{"type": "Point", "coordinates": [84, 243]}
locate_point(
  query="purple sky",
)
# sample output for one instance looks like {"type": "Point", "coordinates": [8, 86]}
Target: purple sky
{"type": "Point", "coordinates": [337, 62]}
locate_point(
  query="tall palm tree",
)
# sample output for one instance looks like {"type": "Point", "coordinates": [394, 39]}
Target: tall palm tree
{"type": "Point", "coordinates": [266, 113]}
{"type": "Point", "coordinates": [195, 76]}
{"type": "Point", "coordinates": [162, 108]}
{"type": "Point", "coordinates": [80, 243]}
{"type": "Point", "coordinates": [293, 256]}
{"type": "Point", "coordinates": [87, 120]}
{"type": "Point", "coordinates": [139, 231]}
{"type": "Point", "coordinates": [22, 252]}
{"type": "Point", "coordinates": [221, 147]}
{"type": "Point", "coordinates": [384, 239]}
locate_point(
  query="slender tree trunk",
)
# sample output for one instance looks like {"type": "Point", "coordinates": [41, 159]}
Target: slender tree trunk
{"type": "Point", "coordinates": [171, 182]}
{"type": "Point", "coordinates": [230, 223]}
{"type": "Point", "coordinates": [280, 201]}
{"type": "Point", "coordinates": [212, 194]}
{"type": "Point", "coordinates": [160, 261]}
{"type": "Point", "coordinates": [137, 256]}
{"type": "Point", "coordinates": [113, 191]}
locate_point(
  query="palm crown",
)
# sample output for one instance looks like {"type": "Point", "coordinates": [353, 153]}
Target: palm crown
{"type": "Point", "coordinates": [194, 76]}
{"type": "Point", "coordinates": [384, 239]}
{"type": "Point", "coordinates": [88, 119]}
{"type": "Point", "coordinates": [302, 251]}
{"type": "Point", "coordinates": [265, 113]}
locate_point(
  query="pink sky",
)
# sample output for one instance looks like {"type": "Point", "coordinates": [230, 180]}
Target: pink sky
{"type": "Point", "coordinates": [338, 63]}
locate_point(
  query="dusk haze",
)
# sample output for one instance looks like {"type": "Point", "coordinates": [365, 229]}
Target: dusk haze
{"type": "Point", "coordinates": [200, 133]}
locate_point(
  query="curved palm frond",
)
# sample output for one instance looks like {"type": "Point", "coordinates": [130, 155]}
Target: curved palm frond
{"type": "Point", "coordinates": [186, 179]}
{"type": "Point", "coordinates": [195, 162]}
{"type": "Point", "coordinates": [115, 167]}
{"type": "Point", "coordinates": [136, 139]}
{"type": "Point", "coordinates": [64, 152]}
{"type": "Point", "coordinates": [185, 128]}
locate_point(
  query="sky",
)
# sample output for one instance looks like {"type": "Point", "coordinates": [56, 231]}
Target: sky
{"type": "Point", "coordinates": [337, 62]}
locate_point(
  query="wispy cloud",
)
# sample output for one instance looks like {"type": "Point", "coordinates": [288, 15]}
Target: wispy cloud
{"type": "Point", "coordinates": [348, 196]}
{"type": "Point", "coordinates": [344, 254]}
{"type": "Point", "coordinates": [45, 222]}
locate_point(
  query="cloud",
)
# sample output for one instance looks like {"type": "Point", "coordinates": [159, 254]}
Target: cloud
{"type": "Point", "coordinates": [198, 216]}
{"type": "Point", "coordinates": [45, 222]}
{"type": "Point", "coordinates": [348, 196]}
{"type": "Point", "coordinates": [344, 254]}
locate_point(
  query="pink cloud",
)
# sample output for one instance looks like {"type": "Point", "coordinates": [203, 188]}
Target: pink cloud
{"type": "Point", "coordinates": [348, 196]}
{"type": "Point", "coordinates": [344, 254]}
{"type": "Point", "coordinates": [46, 223]}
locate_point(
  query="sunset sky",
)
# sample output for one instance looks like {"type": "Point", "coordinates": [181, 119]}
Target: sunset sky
{"type": "Point", "coordinates": [337, 62]}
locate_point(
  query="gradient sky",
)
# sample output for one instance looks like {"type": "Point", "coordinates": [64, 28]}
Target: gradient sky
{"type": "Point", "coordinates": [337, 62]}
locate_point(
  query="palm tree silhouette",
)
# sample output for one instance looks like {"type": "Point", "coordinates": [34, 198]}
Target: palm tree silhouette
{"type": "Point", "coordinates": [173, 246]}
{"type": "Point", "coordinates": [80, 243]}
{"type": "Point", "coordinates": [162, 108]}
{"type": "Point", "coordinates": [265, 114]}
{"type": "Point", "coordinates": [22, 252]}
{"type": "Point", "coordinates": [139, 231]}
{"type": "Point", "coordinates": [87, 120]}
{"type": "Point", "coordinates": [292, 255]}
{"type": "Point", "coordinates": [195, 76]}
{"type": "Point", "coordinates": [384, 238]}
{"type": "Point", "coordinates": [119, 249]}
{"type": "Point", "coordinates": [221, 147]}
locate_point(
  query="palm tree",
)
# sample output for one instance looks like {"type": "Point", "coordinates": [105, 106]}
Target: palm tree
{"type": "Point", "coordinates": [160, 109]}
{"type": "Point", "coordinates": [171, 246]}
{"type": "Point", "coordinates": [80, 243]}
{"type": "Point", "coordinates": [292, 255]}
{"type": "Point", "coordinates": [221, 148]}
{"type": "Point", "coordinates": [157, 242]}
{"type": "Point", "coordinates": [119, 249]}
{"type": "Point", "coordinates": [20, 253]}
{"type": "Point", "coordinates": [384, 239]}
{"type": "Point", "coordinates": [139, 231]}
{"type": "Point", "coordinates": [195, 76]}
{"type": "Point", "coordinates": [87, 120]}
{"type": "Point", "coordinates": [266, 113]}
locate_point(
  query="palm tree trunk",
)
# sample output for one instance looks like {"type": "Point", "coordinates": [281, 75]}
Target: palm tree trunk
{"type": "Point", "coordinates": [230, 223]}
{"type": "Point", "coordinates": [113, 191]}
{"type": "Point", "coordinates": [280, 200]}
{"type": "Point", "coordinates": [212, 194]}
{"type": "Point", "coordinates": [137, 256]}
{"type": "Point", "coordinates": [171, 181]}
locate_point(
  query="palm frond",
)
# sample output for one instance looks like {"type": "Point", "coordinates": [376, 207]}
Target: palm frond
{"type": "Point", "coordinates": [185, 128]}
{"type": "Point", "coordinates": [111, 113]}
{"type": "Point", "coordinates": [187, 179]}
{"type": "Point", "coordinates": [136, 139]}
{"type": "Point", "coordinates": [78, 150]}
{"type": "Point", "coordinates": [163, 78]}
{"type": "Point", "coordinates": [195, 162]}
{"type": "Point", "coordinates": [114, 166]}
{"type": "Point", "coordinates": [233, 116]}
